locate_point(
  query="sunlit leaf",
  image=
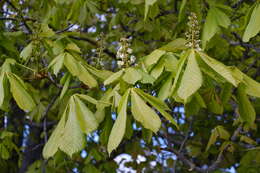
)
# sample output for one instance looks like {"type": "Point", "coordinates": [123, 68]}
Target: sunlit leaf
{"type": "Point", "coordinates": [118, 130]}
{"type": "Point", "coordinates": [144, 114]}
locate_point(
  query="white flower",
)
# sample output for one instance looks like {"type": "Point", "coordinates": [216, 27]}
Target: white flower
{"type": "Point", "coordinates": [120, 63]}
{"type": "Point", "coordinates": [132, 59]}
{"type": "Point", "coordinates": [129, 50]}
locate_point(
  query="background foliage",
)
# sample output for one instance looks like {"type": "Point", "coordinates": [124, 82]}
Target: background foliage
{"type": "Point", "coordinates": [171, 84]}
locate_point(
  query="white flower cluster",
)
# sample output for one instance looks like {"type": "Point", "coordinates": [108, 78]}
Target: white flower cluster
{"type": "Point", "coordinates": [124, 57]}
{"type": "Point", "coordinates": [193, 33]}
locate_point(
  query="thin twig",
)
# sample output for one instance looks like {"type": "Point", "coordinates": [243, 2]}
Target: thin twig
{"type": "Point", "coordinates": [183, 143]}
{"type": "Point", "coordinates": [20, 15]}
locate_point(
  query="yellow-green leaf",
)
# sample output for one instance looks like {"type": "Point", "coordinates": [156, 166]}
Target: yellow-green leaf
{"type": "Point", "coordinates": [192, 78]}
{"type": "Point", "coordinates": [253, 26]}
{"type": "Point", "coordinates": [153, 57]}
{"type": "Point", "coordinates": [51, 147]}
{"type": "Point", "coordinates": [72, 139]}
{"type": "Point", "coordinates": [21, 96]}
{"type": "Point", "coordinates": [118, 130]}
{"type": "Point", "coordinates": [219, 68]}
{"type": "Point", "coordinates": [131, 75]}
{"type": "Point", "coordinates": [114, 77]}
{"type": "Point", "coordinates": [85, 117]}
{"type": "Point", "coordinates": [144, 114]}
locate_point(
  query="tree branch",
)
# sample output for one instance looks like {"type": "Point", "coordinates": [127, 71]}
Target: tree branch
{"type": "Point", "coordinates": [213, 166]}
{"type": "Point", "coordinates": [94, 43]}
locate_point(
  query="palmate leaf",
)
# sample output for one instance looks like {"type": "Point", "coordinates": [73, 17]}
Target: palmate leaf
{"type": "Point", "coordinates": [68, 136]}
{"type": "Point", "coordinates": [27, 51]}
{"type": "Point", "coordinates": [143, 113]}
{"type": "Point", "coordinates": [148, 3]}
{"type": "Point", "coordinates": [86, 118]}
{"type": "Point", "coordinates": [72, 139]}
{"type": "Point", "coordinates": [102, 74]}
{"type": "Point", "coordinates": [165, 90]}
{"type": "Point", "coordinates": [153, 57]}
{"type": "Point", "coordinates": [114, 77]}
{"type": "Point", "coordinates": [77, 69]}
{"type": "Point", "coordinates": [57, 63]}
{"type": "Point", "coordinates": [118, 130]}
{"type": "Point", "coordinates": [51, 147]}
{"type": "Point", "coordinates": [180, 65]}
{"type": "Point", "coordinates": [21, 96]}
{"type": "Point", "coordinates": [156, 103]}
{"type": "Point", "coordinates": [220, 132]}
{"type": "Point", "coordinates": [214, 19]}
{"type": "Point", "coordinates": [219, 68]}
{"type": "Point", "coordinates": [131, 75]}
{"type": "Point", "coordinates": [192, 78]}
{"type": "Point", "coordinates": [253, 26]}
{"type": "Point", "coordinates": [65, 87]}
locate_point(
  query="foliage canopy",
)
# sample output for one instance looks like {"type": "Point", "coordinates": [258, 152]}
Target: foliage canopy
{"type": "Point", "coordinates": [172, 83]}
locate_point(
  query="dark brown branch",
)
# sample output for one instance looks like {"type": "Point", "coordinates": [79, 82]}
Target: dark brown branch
{"type": "Point", "coordinates": [213, 166]}
{"type": "Point", "coordinates": [20, 15]}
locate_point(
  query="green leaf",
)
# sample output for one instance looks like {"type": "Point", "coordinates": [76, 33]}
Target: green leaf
{"type": "Point", "coordinates": [65, 87]}
{"type": "Point", "coordinates": [57, 63]}
{"type": "Point", "coordinates": [73, 47]}
{"type": "Point", "coordinates": [144, 114]}
{"type": "Point", "coordinates": [181, 12]}
{"type": "Point", "coordinates": [157, 104]}
{"type": "Point", "coordinates": [175, 45]}
{"type": "Point", "coordinates": [219, 68]}
{"type": "Point", "coordinates": [118, 130]}
{"type": "Point", "coordinates": [4, 152]}
{"type": "Point", "coordinates": [27, 51]}
{"type": "Point", "coordinates": [157, 69]}
{"type": "Point", "coordinates": [131, 75]}
{"type": "Point", "coordinates": [86, 77]}
{"type": "Point", "coordinates": [148, 3]}
{"type": "Point", "coordinates": [191, 80]}
{"type": "Point", "coordinates": [77, 69]}
{"type": "Point", "coordinates": [88, 98]}
{"type": "Point", "coordinates": [170, 63]}
{"type": "Point", "coordinates": [222, 132]}
{"type": "Point", "coordinates": [252, 87]}
{"type": "Point", "coordinates": [21, 96]}
{"type": "Point", "coordinates": [114, 77]}
{"type": "Point", "coordinates": [218, 131]}
{"type": "Point", "coordinates": [51, 147]}
{"type": "Point", "coordinates": [146, 78]}
{"type": "Point", "coordinates": [212, 139]}
{"type": "Point", "coordinates": [102, 74]}
{"type": "Point", "coordinates": [45, 31]}
{"type": "Point", "coordinates": [72, 139]}
{"type": "Point", "coordinates": [214, 19]}
{"type": "Point", "coordinates": [215, 105]}
{"type": "Point", "coordinates": [226, 93]}
{"type": "Point", "coordinates": [153, 57]}
{"type": "Point", "coordinates": [245, 108]}
{"type": "Point", "coordinates": [86, 118]}
{"type": "Point", "coordinates": [181, 63]}
{"type": "Point", "coordinates": [2, 88]}
{"type": "Point", "coordinates": [253, 26]}
{"type": "Point", "coordinates": [165, 90]}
